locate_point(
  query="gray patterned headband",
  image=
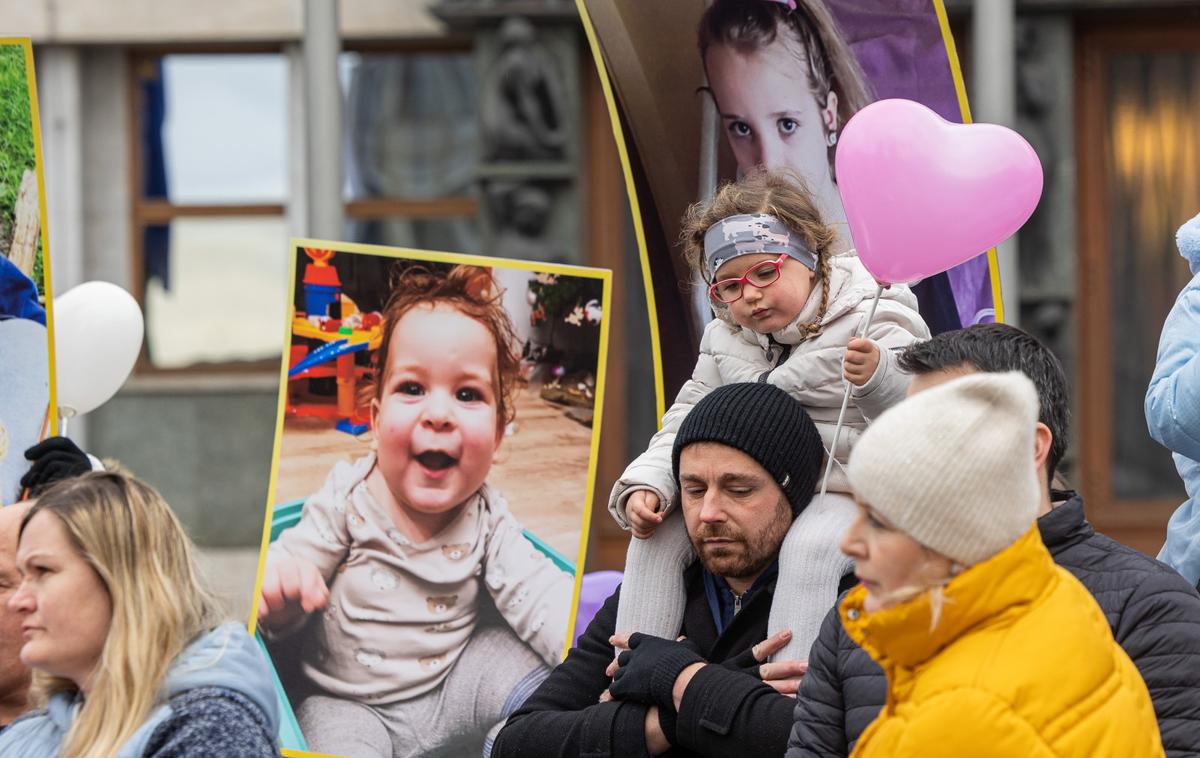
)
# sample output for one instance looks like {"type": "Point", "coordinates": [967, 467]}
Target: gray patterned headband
{"type": "Point", "coordinates": [751, 234]}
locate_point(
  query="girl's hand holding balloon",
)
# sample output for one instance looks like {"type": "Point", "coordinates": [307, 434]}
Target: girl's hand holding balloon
{"type": "Point", "coordinates": [862, 358]}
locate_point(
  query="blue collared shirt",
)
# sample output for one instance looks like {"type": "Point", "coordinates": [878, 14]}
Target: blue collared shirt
{"type": "Point", "coordinates": [723, 603]}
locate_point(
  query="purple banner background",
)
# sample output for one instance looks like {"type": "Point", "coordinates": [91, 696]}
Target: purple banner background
{"type": "Point", "coordinates": [900, 47]}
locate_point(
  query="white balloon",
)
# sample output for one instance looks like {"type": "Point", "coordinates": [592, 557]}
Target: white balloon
{"type": "Point", "coordinates": [98, 332]}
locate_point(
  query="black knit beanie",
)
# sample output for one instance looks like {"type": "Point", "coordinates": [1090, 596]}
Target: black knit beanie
{"type": "Point", "coordinates": [765, 423]}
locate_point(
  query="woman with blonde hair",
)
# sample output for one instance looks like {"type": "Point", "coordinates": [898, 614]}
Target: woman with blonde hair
{"type": "Point", "coordinates": [990, 649]}
{"type": "Point", "coordinates": [127, 655]}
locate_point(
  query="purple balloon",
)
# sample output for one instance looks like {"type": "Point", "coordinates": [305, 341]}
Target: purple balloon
{"type": "Point", "coordinates": [594, 589]}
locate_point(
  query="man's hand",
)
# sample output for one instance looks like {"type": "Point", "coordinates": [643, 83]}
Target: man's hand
{"type": "Point", "coordinates": [54, 459]}
{"type": "Point", "coordinates": [647, 670]}
{"type": "Point", "coordinates": [862, 358]}
{"type": "Point", "coordinates": [656, 742]}
{"type": "Point", "coordinates": [784, 676]}
{"type": "Point", "coordinates": [642, 511]}
{"type": "Point", "coordinates": [291, 588]}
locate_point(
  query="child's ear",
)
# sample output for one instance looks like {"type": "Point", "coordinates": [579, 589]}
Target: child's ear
{"type": "Point", "coordinates": [829, 113]}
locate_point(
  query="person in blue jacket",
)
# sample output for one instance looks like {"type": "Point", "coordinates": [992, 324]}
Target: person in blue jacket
{"type": "Point", "coordinates": [1173, 408]}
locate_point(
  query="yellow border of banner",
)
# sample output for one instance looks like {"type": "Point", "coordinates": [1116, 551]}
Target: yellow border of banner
{"type": "Point", "coordinates": [44, 231]}
{"type": "Point", "coordinates": [965, 108]}
{"type": "Point", "coordinates": [634, 208]}
{"type": "Point", "coordinates": [604, 275]}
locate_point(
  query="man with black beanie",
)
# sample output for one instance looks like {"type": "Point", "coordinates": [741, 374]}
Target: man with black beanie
{"type": "Point", "coordinates": [746, 460]}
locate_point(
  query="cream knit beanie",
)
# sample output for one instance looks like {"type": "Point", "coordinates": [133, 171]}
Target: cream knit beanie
{"type": "Point", "coordinates": [953, 467]}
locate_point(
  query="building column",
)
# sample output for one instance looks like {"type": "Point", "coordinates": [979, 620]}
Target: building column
{"type": "Point", "coordinates": [60, 108]}
{"type": "Point", "coordinates": [993, 100]}
{"type": "Point", "coordinates": [323, 132]}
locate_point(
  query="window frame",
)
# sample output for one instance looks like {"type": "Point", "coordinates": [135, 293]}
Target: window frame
{"type": "Point", "coordinates": [145, 212]}
{"type": "Point", "coordinates": [1138, 522]}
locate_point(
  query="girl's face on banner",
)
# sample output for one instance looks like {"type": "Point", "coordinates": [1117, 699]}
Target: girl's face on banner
{"type": "Point", "coordinates": [770, 115]}
{"type": "Point", "coordinates": [436, 419]}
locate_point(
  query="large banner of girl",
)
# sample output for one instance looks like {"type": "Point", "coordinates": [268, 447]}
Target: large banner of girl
{"type": "Point", "coordinates": [784, 78]}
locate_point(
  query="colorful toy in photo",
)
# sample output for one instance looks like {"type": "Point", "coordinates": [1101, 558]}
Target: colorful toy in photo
{"type": "Point", "coordinates": [326, 339]}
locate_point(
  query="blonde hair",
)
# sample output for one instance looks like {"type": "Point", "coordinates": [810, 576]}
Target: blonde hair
{"type": "Point", "coordinates": [937, 599]}
{"type": "Point", "coordinates": [125, 530]}
{"type": "Point", "coordinates": [936, 590]}
{"type": "Point", "coordinates": [784, 195]}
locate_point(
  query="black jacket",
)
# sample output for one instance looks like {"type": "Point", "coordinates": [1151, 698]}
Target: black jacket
{"type": "Point", "coordinates": [724, 712]}
{"type": "Point", "coordinates": [1154, 614]}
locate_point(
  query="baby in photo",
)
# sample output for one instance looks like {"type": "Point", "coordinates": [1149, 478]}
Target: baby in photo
{"type": "Point", "coordinates": [403, 550]}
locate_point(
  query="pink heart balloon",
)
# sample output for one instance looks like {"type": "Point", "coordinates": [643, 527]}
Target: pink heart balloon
{"type": "Point", "coordinates": [923, 195]}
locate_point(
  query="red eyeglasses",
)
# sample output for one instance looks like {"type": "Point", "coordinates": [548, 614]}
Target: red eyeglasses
{"type": "Point", "coordinates": [763, 275]}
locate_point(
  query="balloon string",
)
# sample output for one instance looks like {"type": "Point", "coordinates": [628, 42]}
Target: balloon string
{"type": "Point", "coordinates": [837, 430]}
{"type": "Point", "coordinates": [65, 414]}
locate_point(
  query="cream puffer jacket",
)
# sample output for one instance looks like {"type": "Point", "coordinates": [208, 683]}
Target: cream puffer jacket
{"type": "Point", "coordinates": [811, 372]}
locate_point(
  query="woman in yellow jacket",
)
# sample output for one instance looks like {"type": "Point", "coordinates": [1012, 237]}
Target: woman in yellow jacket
{"type": "Point", "coordinates": [989, 648]}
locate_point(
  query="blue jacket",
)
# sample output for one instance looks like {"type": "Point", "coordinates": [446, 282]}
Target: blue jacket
{"type": "Point", "coordinates": [1173, 408]}
{"type": "Point", "coordinates": [18, 295]}
{"type": "Point", "coordinates": [218, 699]}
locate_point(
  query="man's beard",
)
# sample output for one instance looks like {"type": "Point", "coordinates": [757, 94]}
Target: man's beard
{"type": "Point", "coordinates": [747, 555]}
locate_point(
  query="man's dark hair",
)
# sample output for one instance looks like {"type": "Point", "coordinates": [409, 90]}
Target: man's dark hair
{"type": "Point", "coordinates": [1000, 347]}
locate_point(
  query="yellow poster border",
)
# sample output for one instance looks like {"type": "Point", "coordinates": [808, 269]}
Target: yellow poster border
{"type": "Point", "coordinates": [965, 110]}
{"type": "Point", "coordinates": [634, 209]}
{"type": "Point", "coordinates": [44, 231]}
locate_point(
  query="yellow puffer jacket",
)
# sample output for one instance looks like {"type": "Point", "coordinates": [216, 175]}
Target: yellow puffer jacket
{"type": "Point", "coordinates": [1021, 663]}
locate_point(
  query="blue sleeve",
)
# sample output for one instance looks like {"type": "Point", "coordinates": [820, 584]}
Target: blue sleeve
{"type": "Point", "coordinates": [18, 295]}
{"type": "Point", "coordinates": [1173, 399]}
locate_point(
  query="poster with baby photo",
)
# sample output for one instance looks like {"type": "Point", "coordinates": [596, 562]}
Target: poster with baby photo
{"type": "Point", "coordinates": [711, 91]}
{"type": "Point", "coordinates": [25, 338]}
{"type": "Point", "coordinates": [439, 416]}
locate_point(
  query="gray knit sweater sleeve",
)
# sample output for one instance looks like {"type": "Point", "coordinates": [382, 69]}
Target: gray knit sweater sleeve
{"type": "Point", "coordinates": [211, 721]}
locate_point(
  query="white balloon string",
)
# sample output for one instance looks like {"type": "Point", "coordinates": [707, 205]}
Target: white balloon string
{"type": "Point", "coordinates": [841, 466]}
{"type": "Point", "coordinates": [837, 430]}
{"type": "Point", "coordinates": [64, 416]}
